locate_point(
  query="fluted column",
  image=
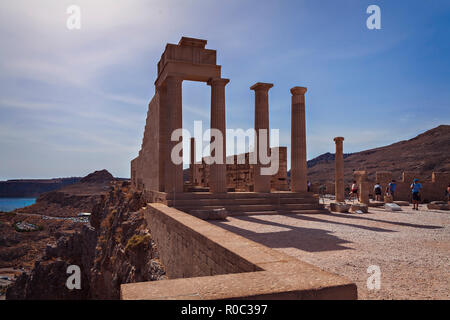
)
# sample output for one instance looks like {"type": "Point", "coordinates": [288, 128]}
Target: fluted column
{"type": "Point", "coordinates": [298, 141]}
{"type": "Point", "coordinates": [339, 171]}
{"type": "Point", "coordinates": [218, 171]}
{"type": "Point", "coordinates": [174, 172]}
{"type": "Point", "coordinates": [262, 182]}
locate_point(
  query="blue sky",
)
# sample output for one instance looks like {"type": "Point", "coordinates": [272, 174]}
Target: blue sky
{"type": "Point", "coordinates": [76, 101]}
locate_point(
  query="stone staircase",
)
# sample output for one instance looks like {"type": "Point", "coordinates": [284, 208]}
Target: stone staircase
{"type": "Point", "coordinates": [246, 203]}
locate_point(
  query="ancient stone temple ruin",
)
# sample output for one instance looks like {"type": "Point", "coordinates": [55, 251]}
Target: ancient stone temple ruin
{"type": "Point", "coordinates": [240, 188]}
{"type": "Point", "coordinates": [203, 260]}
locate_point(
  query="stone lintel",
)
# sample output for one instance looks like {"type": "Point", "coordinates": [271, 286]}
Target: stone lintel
{"type": "Point", "coordinates": [192, 42]}
{"type": "Point", "coordinates": [261, 86]}
{"type": "Point", "coordinates": [298, 91]}
{"type": "Point", "coordinates": [188, 71]}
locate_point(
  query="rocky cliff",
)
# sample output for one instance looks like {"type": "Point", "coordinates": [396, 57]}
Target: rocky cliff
{"type": "Point", "coordinates": [73, 199]}
{"type": "Point", "coordinates": [116, 247]}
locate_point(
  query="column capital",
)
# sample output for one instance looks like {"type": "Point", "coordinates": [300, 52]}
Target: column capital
{"type": "Point", "coordinates": [296, 91]}
{"type": "Point", "coordinates": [338, 139]}
{"type": "Point", "coordinates": [218, 81]}
{"type": "Point", "coordinates": [261, 86]}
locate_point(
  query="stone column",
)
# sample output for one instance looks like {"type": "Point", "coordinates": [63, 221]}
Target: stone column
{"type": "Point", "coordinates": [298, 141]}
{"type": "Point", "coordinates": [363, 182]}
{"type": "Point", "coordinates": [174, 172]}
{"type": "Point", "coordinates": [339, 180]}
{"type": "Point", "coordinates": [192, 163]}
{"type": "Point", "coordinates": [261, 182]}
{"type": "Point", "coordinates": [218, 171]}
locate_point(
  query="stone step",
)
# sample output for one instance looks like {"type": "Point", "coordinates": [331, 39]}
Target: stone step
{"type": "Point", "coordinates": [253, 207]}
{"type": "Point", "coordinates": [264, 212]}
{"type": "Point", "coordinates": [237, 195]}
{"type": "Point", "coordinates": [239, 201]}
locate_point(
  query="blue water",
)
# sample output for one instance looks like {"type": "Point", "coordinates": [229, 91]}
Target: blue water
{"type": "Point", "coordinates": [9, 204]}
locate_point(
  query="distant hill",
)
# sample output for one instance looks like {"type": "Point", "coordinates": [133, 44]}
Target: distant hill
{"type": "Point", "coordinates": [32, 187]}
{"type": "Point", "coordinates": [428, 152]}
{"type": "Point", "coordinates": [75, 198]}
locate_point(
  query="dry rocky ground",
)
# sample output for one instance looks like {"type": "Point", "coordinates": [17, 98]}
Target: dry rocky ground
{"type": "Point", "coordinates": [412, 248]}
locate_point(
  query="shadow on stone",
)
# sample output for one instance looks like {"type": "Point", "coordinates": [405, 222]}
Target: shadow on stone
{"type": "Point", "coordinates": [306, 239]}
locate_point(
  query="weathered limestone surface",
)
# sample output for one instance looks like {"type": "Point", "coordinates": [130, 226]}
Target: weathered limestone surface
{"type": "Point", "coordinates": [154, 169]}
{"type": "Point", "coordinates": [339, 170]}
{"type": "Point", "coordinates": [298, 140]}
{"type": "Point", "coordinates": [339, 207]}
{"type": "Point", "coordinates": [207, 262]}
{"type": "Point", "coordinates": [240, 176]}
{"type": "Point", "coordinates": [364, 186]}
{"type": "Point", "coordinates": [392, 207]}
{"type": "Point", "coordinates": [359, 207]}
{"type": "Point", "coordinates": [218, 182]}
{"type": "Point", "coordinates": [262, 182]}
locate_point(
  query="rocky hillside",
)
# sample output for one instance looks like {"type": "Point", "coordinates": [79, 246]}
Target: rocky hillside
{"type": "Point", "coordinates": [428, 152]}
{"type": "Point", "coordinates": [73, 199]}
{"type": "Point", "coordinates": [115, 248]}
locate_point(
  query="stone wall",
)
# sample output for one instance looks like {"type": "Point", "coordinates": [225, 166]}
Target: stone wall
{"type": "Point", "coordinates": [240, 176]}
{"type": "Point", "coordinates": [144, 168]}
{"type": "Point", "coordinates": [204, 261]}
{"type": "Point", "coordinates": [184, 251]}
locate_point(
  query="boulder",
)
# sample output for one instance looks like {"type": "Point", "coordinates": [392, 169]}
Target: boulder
{"type": "Point", "coordinates": [402, 203]}
{"type": "Point", "coordinates": [218, 214]}
{"type": "Point", "coordinates": [376, 204]}
{"type": "Point", "coordinates": [438, 205]}
{"type": "Point", "coordinates": [214, 214]}
{"type": "Point", "coordinates": [339, 207]}
{"type": "Point", "coordinates": [359, 207]}
{"type": "Point", "coordinates": [392, 207]}
{"type": "Point", "coordinates": [388, 199]}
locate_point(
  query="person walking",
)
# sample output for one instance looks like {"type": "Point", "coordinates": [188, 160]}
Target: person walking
{"type": "Point", "coordinates": [416, 186]}
{"type": "Point", "coordinates": [392, 187]}
{"type": "Point", "coordinates": [448, 194]}
{"type": "Point", "coordinates": [377, 190]}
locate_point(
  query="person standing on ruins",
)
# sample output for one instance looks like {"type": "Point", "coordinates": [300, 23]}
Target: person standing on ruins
{"type": "Point", "coordinates": [415, 189]}
{"type": "Point", "coordinates": [377, 190]}
{"type": "Point", "coordinates": [354, 192]}
{"type": "Point", "coordinates": [391, 189]}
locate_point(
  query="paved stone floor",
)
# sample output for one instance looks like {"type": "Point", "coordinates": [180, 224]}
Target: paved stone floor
{"type": "Point", "coordinates": [412, 248]}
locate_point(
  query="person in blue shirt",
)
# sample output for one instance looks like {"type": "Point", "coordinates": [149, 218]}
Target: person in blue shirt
{"type": "Point", "coordinates": [391, 189]}
{"type": "Point", "coordinates": [415, 189]}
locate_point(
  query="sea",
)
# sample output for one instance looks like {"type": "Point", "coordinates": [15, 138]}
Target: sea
{"type": "Point", "coordinates": [10, 204]}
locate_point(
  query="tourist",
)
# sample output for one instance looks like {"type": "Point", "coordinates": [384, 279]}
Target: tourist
{"type": "Point", "coordinates": [309, 186]}
{"type": "Point", "coordinates": [392, 187]}
{"type": "Point", "coordinates": [415, 189]}
{"type": "Point", "coordinates": [354, 192]}
{"type": "Point", "coordinates": [448, 193]}
{"type": "Point", "coordinates": [377, 190]}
